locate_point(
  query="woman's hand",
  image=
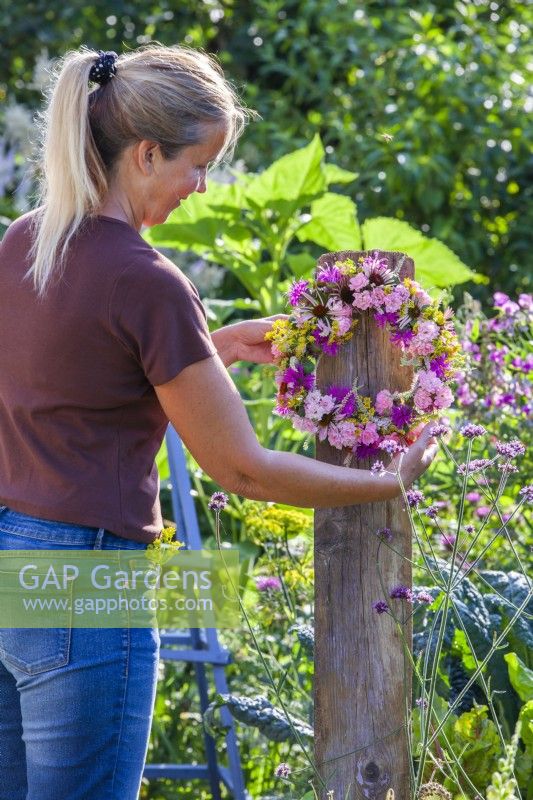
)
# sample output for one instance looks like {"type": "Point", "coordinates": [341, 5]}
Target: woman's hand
{"type": "Point", "coordinates": [418, 457]}
{"type": "Point", "coordinates": [245, 341]}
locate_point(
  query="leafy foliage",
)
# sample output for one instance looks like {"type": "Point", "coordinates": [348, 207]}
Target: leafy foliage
{"type": "Point", "coordinates": [425, 101]}
{"type": "Point", "coordinates": [251, 228]}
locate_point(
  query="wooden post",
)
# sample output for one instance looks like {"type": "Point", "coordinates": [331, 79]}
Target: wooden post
{"type": "Point", "coordinates": [360, 713]}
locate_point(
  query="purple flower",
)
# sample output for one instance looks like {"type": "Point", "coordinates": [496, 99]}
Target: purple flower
{"type": "Point", "coordinates": [402, 337]}
{"type": "Point", "coordinates": [282, 770]}
{"type": "Point", "coordinates": [473, 497]}
{"type": "Point", "coordinates": [385, 533]}
{"type": "Point", "coordinates": [511, 449]}
{"type": "Point", "coordinates": [402, 593]}
{"type": "Point", "coordinates": [507, 468]}
{"type": "Point", "coordinates": [439, 365]}
{"type": "Point", "coordinates": [499, 299]}
{"type": "Point", "coordinates": [474, 466]}
{"type": "Point", "coordinates": [218, 501]}
{"type": "Point", "coordinates": [391, 446]}
{"type": "Point", "coordinates": [366, 450]}
{"type": "Point", "coordinates": [527, 493]}
{"type": "Point", "coordinates": [325, 346]}
{"type": "Point", "coordinates": [380, 607]}
{"type": "Point", "coordinates": [343, 393]}
{"type": "Point", "coordinates": [431, 512]}
{"type": "Point", "coordinates": [296, 378]}
{"type": "Point", "coordinates": [439, 430]}
{"type": "Point", "coordinates": [266, 583]}
{"type": "Point", "coordinates": [505, 400]}
{"type": "Point", "coordinates": [390, 317]}
{"type": "Point", "coordinates": [482, 511]}
{"type": "Point", "coordinates": [469, 529]}
{"type": "Point", "coordinates": [401, 415]}
{"type": "Point", "coordinates": [296, 291]}
{"type": "Point", "coordinates": [424, 597]}
{"type": "Point", "coordinates": [378, 468]}
{"type": "Point", "coordinates": [329, 274]}
{"type": "Point", "coordinates": [414, 497]}
{"type": "Point", "coordinates": [447, 541]}
{"type": "Point", "coordinates": [471, 431]}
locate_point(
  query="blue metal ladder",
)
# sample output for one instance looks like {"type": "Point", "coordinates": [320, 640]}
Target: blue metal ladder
{"type": "Point", "coordinates": [200, 647]}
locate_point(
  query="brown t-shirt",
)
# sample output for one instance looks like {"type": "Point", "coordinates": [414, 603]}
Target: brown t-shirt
{"type": "Point", "coordinates": [80, 423]}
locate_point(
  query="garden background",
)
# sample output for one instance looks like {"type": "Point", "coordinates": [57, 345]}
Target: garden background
{"type": "Point", "coordinates": [424, 109]}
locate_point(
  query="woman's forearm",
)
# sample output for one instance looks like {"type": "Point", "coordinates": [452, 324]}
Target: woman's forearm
{"type": "Point", "coordinates": [302, 481]}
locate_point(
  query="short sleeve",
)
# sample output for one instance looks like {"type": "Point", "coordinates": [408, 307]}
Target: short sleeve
{"type": "Point", "coordinates": [156, 313]}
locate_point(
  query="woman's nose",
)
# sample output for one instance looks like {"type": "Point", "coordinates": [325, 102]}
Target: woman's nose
{"type": "Point", "coordinates": [202, 184]}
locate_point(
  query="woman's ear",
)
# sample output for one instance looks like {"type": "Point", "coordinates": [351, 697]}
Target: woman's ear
{"type": "Point", "coordinates": [145, 156]}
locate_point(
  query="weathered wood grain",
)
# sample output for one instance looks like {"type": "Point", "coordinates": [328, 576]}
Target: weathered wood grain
{"type": "Point", "coordinates": [361, 739]}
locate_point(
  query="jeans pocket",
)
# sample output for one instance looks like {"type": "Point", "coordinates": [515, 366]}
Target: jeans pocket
{"type": "Point", "coordinates": [35, 650]}
{"type": "Point", "coordinates": [42, 642]}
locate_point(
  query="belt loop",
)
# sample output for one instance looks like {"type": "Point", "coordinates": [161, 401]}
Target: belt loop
{"type": "Point", "coordinates": [99, 539]}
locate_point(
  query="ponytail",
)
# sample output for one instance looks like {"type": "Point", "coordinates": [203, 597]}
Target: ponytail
{"type": "Point", "coordinates": [73, 179]}
{"type": "Point", "coordinates": [168, 95]}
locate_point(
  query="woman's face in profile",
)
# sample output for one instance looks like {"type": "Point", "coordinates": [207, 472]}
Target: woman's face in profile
{"type": "Point", "coordinates": [173, 180]}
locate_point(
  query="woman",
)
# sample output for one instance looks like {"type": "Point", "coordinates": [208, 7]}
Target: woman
{"type": "Point", "coordinates": [104, 341]}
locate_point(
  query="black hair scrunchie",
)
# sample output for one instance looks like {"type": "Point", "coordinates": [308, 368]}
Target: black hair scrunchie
{"type": "Point", "coordinates": [104, 68]}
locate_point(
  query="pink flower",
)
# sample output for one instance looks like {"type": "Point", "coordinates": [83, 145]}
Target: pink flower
{"type": "Point", "coordinates": [378, 298]}
{"type": "Point", "coordinates": [383, 401]}
{"type": "Point", "coordinates": [341, 434]}
{"type": "Point", "coordinates": [427, 330]}
{"type": "Point", "coordinates": [369, 434]}
{"type": "Point", "coordinates": [362, 300]}
{"type": "Point", "coordinates": [303, 424]}
{"type": "Point", "coordinates": [421, 347]}
{"type": "Point", "coordinates": [358, 282]}
{"type": "Point", "coordinates": [443, 397]}
{"type": "Point", "coordinates": [317, 404]}
{"type": "Point", "coordinates": [423, 400]}
{"type": "Point", "coordinates": [396, 298]}
{"type": "Point", "coordinates": [428, 380]}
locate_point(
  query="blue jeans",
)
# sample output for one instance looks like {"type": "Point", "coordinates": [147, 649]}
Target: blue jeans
{"type": "Point", "coordinates": [76, 704]}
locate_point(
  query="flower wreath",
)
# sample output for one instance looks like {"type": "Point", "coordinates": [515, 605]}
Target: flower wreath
{"type": "Point", "coordinates": [324, 316]}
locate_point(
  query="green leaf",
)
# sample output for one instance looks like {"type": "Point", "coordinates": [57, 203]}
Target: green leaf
{"type": "Point", "coordinates": [300, 264]}
{"type": "Point", "coordinates": [162, 464]}
{"type": "Point", "coordinates": [480, 737]}
{"type": "Point", "coordinates": [435, 264]}
{"type": "Point", "coordinates": [526, 718]}
{"type": "Point", "coordinates": [201, 218]}
{"type": "Point", "coordinates": [521, 677]}
{"type": "Point", "coordinates": [333, 223]}
{"type": "Point", "coordinates": [336, 174]}
{"type": "Point", "coordinates": [292, 181]}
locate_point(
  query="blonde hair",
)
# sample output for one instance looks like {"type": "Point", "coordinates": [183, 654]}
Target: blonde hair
{"type": "Point", "coordinates": [163, 94]}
